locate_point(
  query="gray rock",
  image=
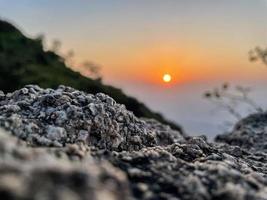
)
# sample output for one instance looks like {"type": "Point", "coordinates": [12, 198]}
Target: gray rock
{"type": "Point", "coordinates": [90, 147]}
{"type": "Point", "coordinates": [110, 125]}
{"type": "Point", "coordinates": [249, 133]}
{"type": "Point", "coordinates": [34, 173]}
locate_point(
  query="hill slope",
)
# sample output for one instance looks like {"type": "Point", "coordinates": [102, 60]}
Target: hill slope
{"type": "Point", "coordinates": [23, 61]}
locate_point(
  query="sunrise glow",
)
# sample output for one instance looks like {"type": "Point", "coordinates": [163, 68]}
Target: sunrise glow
{"type": "Point", "coordinates": [167, 78]}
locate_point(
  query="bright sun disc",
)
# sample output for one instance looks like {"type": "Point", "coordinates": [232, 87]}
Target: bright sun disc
{"type": "Point", "coordinates": [167, 78]}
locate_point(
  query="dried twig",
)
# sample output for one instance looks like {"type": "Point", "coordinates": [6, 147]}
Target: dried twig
{"type": "Point", "coordinates": [229, 99]}
{"type": "Point", "coordinates": [257, 54]}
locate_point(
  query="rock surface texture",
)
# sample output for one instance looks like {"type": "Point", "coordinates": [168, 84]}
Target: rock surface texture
{"type": "Point", "coordinates": [66, 144]}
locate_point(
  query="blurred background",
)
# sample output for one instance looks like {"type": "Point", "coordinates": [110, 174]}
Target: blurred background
{"type": "Point", "coordinates": [131, 45]}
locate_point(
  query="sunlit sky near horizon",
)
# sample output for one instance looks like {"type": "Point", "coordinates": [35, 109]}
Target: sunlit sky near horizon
{"type": "Point", "coordinates": [201, 43]}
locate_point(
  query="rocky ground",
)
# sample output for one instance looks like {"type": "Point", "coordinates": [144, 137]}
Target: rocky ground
{"type": "Point", "coordinates": [66, 144]}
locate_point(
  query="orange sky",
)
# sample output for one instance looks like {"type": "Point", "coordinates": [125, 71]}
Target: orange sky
{"type": "Point", "coordinates": [148, 64]}
{"type": "Point", "coordinates": [201, 43]}
{"type": "Point", "coordinates": [142, 40]}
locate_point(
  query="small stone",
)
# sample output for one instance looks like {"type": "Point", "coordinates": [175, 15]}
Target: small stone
{"type": "Point", "coordinates": [2, 95]}
{"type": "Point", "coordinates": [83, 136]}
{"type": "Point", "coordinates": [55, 133]}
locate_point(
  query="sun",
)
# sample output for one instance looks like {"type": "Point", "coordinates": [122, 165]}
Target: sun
{"type": "Point", "coordinates": [166, 78]}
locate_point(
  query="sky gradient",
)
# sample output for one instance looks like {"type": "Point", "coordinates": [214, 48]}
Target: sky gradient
{"type": "Point", "coordinates": [201, 43]}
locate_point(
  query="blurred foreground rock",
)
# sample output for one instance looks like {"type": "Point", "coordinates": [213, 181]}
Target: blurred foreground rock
{"type": "Point", "coordinates": [45, 173]}
{"type": "Point", "coordinates": [66, 144]}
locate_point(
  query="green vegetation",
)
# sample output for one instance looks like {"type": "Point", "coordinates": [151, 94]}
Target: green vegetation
{"type": "Point", "coordinates": [23, 61]}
